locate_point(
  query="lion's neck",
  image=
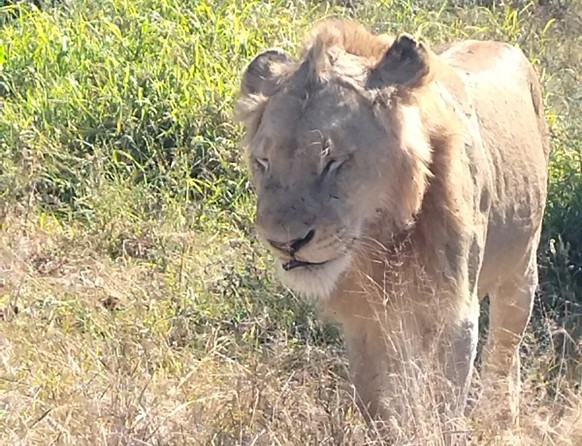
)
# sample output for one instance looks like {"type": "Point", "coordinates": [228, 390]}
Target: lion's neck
{"type": "Point", "coordinates": [418, 251]}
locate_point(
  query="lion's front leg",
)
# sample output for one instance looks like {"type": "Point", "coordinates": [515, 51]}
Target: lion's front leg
{"type": "Point", "coordinates": [367, 357]}
{"type": "Point", "coordinates": [451, 357]}
{"type": "Point", "coordinates": [457, 348]}
{"type": "Point", "coordinates": [410, 373]}
{"type": "Point", "coordinates": [388, 377]}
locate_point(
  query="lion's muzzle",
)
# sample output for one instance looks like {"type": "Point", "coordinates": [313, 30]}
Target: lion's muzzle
{"type": "Point", "coordinates": [292, 246]}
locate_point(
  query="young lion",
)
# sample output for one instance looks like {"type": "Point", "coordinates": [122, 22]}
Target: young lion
{"type": "Point", "coordinates": [399, 187]}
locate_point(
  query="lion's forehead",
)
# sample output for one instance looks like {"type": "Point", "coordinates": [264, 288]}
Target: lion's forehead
{"type": "Point", "coordinates": [307, 116]}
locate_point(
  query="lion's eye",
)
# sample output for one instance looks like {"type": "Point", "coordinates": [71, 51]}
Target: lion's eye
{"type": "Point", "coordinates": [261, 163]}
{"type": "Point", "coordinates": [331, 165]}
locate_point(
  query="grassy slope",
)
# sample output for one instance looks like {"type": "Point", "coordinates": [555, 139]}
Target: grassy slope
{"type": "Point", "coordinates": [135, 305]}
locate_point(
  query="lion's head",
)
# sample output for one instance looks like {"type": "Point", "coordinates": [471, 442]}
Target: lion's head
{"type": "Point", "coordinates": [335, 143]}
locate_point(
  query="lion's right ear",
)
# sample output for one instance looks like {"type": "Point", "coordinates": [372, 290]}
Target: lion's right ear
{"type": "Point", "coordinates": [407, 63]}
{"type": "Point", "coordinates": [264, 74]}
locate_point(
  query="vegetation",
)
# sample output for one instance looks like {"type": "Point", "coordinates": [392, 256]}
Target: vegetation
{"type": "Point", "coordinates": [136, 307]}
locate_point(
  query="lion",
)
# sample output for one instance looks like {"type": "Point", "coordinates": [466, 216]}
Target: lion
{"type": "Point", "coordinates": [399, 187]}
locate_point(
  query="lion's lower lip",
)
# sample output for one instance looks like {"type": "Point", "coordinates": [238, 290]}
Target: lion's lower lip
{"type": "Point", "coordinates": [294, 263]}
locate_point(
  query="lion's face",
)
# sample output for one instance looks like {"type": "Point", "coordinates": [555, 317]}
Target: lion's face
{"type": "Point", "coordinates": [320, 171]}
{"type": "Point", "coordinates": [325, 163]}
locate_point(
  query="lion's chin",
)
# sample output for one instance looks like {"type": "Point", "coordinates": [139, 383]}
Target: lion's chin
{"type": "Point", "coordinates": [316, 281]}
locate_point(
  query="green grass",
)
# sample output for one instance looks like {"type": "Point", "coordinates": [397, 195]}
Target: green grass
{"type": "Point", "coordinates": [136, 306]}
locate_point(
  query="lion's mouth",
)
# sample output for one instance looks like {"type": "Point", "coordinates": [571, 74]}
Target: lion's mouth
{"type": "Point", "coordinates": [294, 263]}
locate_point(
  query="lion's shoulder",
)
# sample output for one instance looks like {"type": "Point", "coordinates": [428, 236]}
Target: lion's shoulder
{"type": "Point", "coordinates": [477, 56]}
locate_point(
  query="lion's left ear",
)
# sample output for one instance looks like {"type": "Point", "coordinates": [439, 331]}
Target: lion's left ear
{"type": "Point", "coordinates": [407, 63]}
{"type": "Point", "coordinates": [263, 74]}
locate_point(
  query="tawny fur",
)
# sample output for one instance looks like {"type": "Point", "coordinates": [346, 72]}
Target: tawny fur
{"type": "Point", "coordinates": [435, 201]}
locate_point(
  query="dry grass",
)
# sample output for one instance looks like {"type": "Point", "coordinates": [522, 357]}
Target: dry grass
{"type": "Point", "coordinates": [94, 351]}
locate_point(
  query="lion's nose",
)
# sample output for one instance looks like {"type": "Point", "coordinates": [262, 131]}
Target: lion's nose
{"type": "Point", "coordinates": [292, 246]}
